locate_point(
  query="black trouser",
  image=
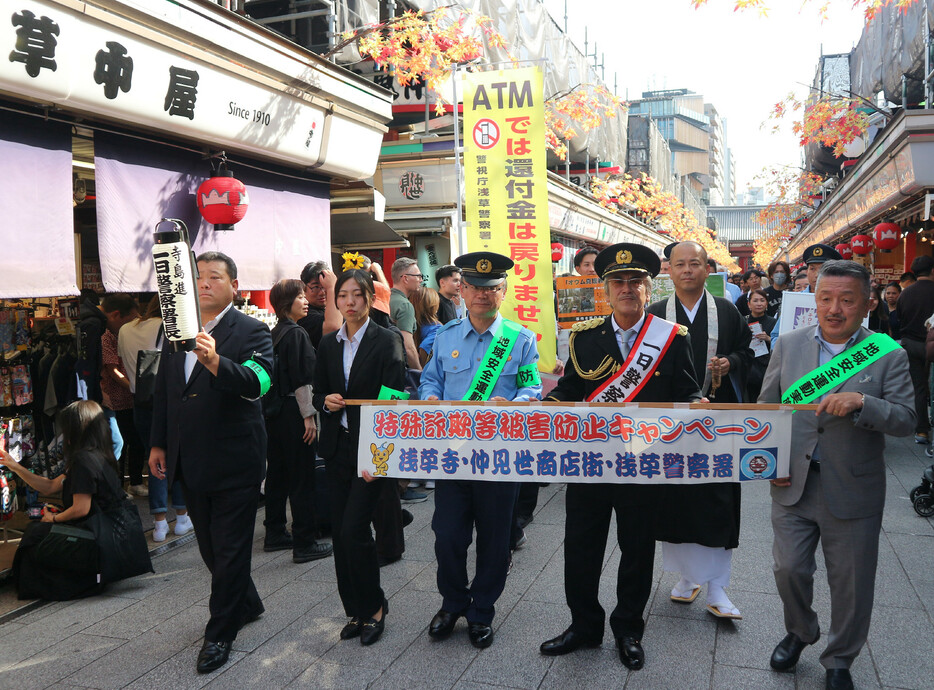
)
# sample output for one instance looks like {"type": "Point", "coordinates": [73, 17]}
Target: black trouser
{"type": "Point", "coordinates": [387, 522]}
{"type": "Point", "coordinates": [290, 475]}
{"type": "Point", "coordinates": [526, 501]}
{"type": "Point", "coordinates": [918, 370]}
{"type": "Point", "coordinates": [131, 460]}
{"type": "Point", "coordinates": [224, 523]}
{"type": "Point", "coordinates": [353, 502]}
{"type": "Point", "coordinates": [589, 508]}
{"type": "Point", "coordinates": [459, 505]}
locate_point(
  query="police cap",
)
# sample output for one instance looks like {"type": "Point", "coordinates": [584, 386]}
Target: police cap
{"type": "Point", "coordinates": [483, 269]}
{"type": "Point", "coordinates": [819, 253]}
{"type": "Point", "coordinates": [627, 257]}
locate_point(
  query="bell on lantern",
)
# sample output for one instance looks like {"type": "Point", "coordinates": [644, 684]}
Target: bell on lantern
{"type": "Point", "coordinates": [222, 199]}
{"type": "Point", "coordinates": [557, 251]}
{"type": "Point", "coordinates": [844, 250]}
{"type": "Point", "coordinates": [862, 244]}
{"type": "Point", "coordinates": [887, 236]}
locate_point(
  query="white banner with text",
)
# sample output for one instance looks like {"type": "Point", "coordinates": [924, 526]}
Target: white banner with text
{"type": "Point", "coordinates": [593, 443]}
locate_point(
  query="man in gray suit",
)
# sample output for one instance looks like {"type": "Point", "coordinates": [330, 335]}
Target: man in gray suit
{"type": "Point", "coordinates": [836, 490]}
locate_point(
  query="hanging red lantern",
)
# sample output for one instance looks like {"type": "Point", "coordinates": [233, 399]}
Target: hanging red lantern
{"type": "Point", "coordinates": [223, 199]}
{"type": "Point", "coordinates": [844, 250]}
{"type": "Point", "coordinates": [862, 244]}
{"type": "Point", "coordinates": [557, 251]}
{"type": "Point", "coordinates": [887, 236]}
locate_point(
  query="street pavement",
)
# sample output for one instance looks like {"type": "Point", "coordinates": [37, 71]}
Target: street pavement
{"type": "Point", "coordinates": [146, 632]}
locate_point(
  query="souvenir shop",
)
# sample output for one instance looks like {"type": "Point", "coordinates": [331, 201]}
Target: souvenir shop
{"type": "Point", "coordinates": [113, 118]}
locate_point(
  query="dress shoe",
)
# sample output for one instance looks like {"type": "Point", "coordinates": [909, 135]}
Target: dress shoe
{"type": "Point", "coordinates": [371, 629]}
{"type": "Point", "coordinates": [839, 679]}
{"type": "Point", "coordinates": [278, 542]}
{"type": "Point", "coordinates": [786, 653]}
{"type": "Point", "coordinates": [407, 518]}
{"type": "Point", "coordinates": [352, 629]}
{"type": "Point", "coordinates": [481, 635]}
{"type": "Point", "coordinates": [443, 624]}
{"type": "Point", "coordinates": [212, 656]}
{"type": "Point", "coordinates": [312, 553]}
{"type": "Point", "coordinates": [630, 652]}
{"type": "Point", "coordinates": [567, 642]}
{"type": "Point", "coordinates": [383, 562]}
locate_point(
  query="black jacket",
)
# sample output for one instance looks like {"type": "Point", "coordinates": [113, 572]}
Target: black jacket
{"type": "Point", "coordinates": [380, 361]}
{"type": "Point", "coordinates": [91, 326]}
{"type": "Point", "coordinates": [213, 425]}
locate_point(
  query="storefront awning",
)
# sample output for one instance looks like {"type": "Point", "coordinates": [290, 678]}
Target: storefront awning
{"type": "Point", "coordinates": [899, 165]}
{"type": "Point", "coordinates": [194, 71]}
{"type": "Point", "coordinates": [139, 183]}
{"type": "Point", "coordinates": [39, 241]}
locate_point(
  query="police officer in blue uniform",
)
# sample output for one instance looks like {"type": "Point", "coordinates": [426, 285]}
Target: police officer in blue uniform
{"type": "Point", "coordinates": [463, 348]}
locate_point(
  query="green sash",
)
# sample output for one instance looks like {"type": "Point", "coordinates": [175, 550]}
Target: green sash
{"type": "Point", "coordinates": [493, 361]}
{"type": "Point", "coordinates": [848, 363]}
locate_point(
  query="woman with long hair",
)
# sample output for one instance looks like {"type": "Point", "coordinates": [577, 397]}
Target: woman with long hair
{"type": "Point", "coordinates": [145, 333]}
{"type": "Point", "coordinates": [878, 313]}
{"type": "Point", "coordinates": [356, 362]}
{"type": "Point", "coordinates": [89, 482]}
{"type": "Point", "coordinates": [779, 281]}
{"type": "Point", "coordinates": [758, 314]}
{"type": "Point", "coordinates": [291, 430]}
{"type": "Point", "coordinates": [426, 302]}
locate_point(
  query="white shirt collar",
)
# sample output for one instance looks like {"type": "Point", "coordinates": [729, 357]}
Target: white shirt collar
{"type": "Point", "coordinates": [357, 337]}
{"type": "Point", "coordinates": [692, 312]}
{"type": "Point", "coordinates": [210, 325]}
{"type": "Point", "coordinates": [621, 332]}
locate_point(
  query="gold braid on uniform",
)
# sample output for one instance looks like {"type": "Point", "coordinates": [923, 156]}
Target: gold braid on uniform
{"type": "Point", "coordinates": [607, 366]}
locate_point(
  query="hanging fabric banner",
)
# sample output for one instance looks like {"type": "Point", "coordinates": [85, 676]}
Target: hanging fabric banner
{"type": "Point", "coordinates": [506, 191]}
{"type": "Point", "coordinates": [581, 443]}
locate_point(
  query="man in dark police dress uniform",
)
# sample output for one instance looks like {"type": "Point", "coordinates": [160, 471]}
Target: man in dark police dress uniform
{"type": "Point", "coordinates": [598, 349]}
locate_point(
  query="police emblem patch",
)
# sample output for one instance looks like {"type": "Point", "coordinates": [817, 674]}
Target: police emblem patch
{"type": "Point", "coordinates": [624, 257]}
{"type": "Point", "coordinates": [818, 251]}
{"type": "Point", "coordinates": [484, 266]}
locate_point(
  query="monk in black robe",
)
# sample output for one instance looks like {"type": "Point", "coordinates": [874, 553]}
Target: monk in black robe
{"type": "Point", "coordinates": [702, 521]}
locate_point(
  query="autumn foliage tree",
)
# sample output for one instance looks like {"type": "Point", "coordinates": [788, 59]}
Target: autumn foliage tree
{"type": "Point", "coordinates": [644, 198]}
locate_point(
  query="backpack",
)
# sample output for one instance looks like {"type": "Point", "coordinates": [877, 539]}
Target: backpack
{"type": "Point", "coordinates": [147, 366]}
{"type": "Point", "coordinates": [275, 396]}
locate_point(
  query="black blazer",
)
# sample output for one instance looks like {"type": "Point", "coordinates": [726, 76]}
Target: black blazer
{"type": "Point", "coordinates": [213, 425]}
{"type": "Point", "coordinates": [673, 380]}
{"type": "Point", "coordinates": [380, 361]}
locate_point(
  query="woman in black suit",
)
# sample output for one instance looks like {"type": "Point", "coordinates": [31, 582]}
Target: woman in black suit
{"type": "Point", "coordinates": [355, 362]}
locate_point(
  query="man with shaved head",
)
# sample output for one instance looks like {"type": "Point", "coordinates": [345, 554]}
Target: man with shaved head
{"type": "Point", "coordinates": [699, 527]}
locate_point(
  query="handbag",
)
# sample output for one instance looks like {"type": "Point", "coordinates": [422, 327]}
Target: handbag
{"type": "Point", "coordinates": [147, 366]}
{"type": "Point", "coordinates": [123, 549]}
{"type": "Point", "coordinates": [70, 548]}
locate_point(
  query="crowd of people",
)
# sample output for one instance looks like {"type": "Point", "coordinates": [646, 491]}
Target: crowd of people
{"type": "Point", "coordinates": [248, 404]}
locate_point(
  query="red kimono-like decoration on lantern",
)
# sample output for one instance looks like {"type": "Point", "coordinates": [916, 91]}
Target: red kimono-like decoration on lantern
{"type": "Point", "coordinates": [887, 236]}
{"type": "Point", "coordinates": [223, 200]}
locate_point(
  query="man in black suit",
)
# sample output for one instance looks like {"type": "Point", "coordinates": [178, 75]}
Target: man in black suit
{"type": "Point", "coordinates": [208, 432]}
{"type": "Point", "coordinates": [599, 348]}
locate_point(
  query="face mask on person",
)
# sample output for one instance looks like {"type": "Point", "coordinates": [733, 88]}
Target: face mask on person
{"type": "Point", "coordinates": [779, 278]}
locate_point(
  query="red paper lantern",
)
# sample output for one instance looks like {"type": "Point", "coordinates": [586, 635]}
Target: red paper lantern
{"type": "Point", "coordinates": [887, 236]}
{"type": "Point", "coordinates": [223, 200]}
{"type": "Point", "coordinates": [862, 244]}
{"type": "Point", "coordinates": [845, 251]}
{"type": "Point", "coordinates": [557, 251]}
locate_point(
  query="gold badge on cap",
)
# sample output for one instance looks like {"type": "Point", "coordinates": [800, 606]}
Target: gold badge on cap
{"type": "Point", "coordinates": [818, 251]}
{"type": "Point", "coordinates": [484, 266]}
{"type": "Point", "coordinates": [624, 256]}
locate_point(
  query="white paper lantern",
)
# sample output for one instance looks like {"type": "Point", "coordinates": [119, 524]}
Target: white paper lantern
{"type": "Point", "coordinates": [176, 285]}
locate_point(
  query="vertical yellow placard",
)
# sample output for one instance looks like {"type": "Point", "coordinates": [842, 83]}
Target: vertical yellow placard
{"type": "Point", "coordinates": [506, 191]}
